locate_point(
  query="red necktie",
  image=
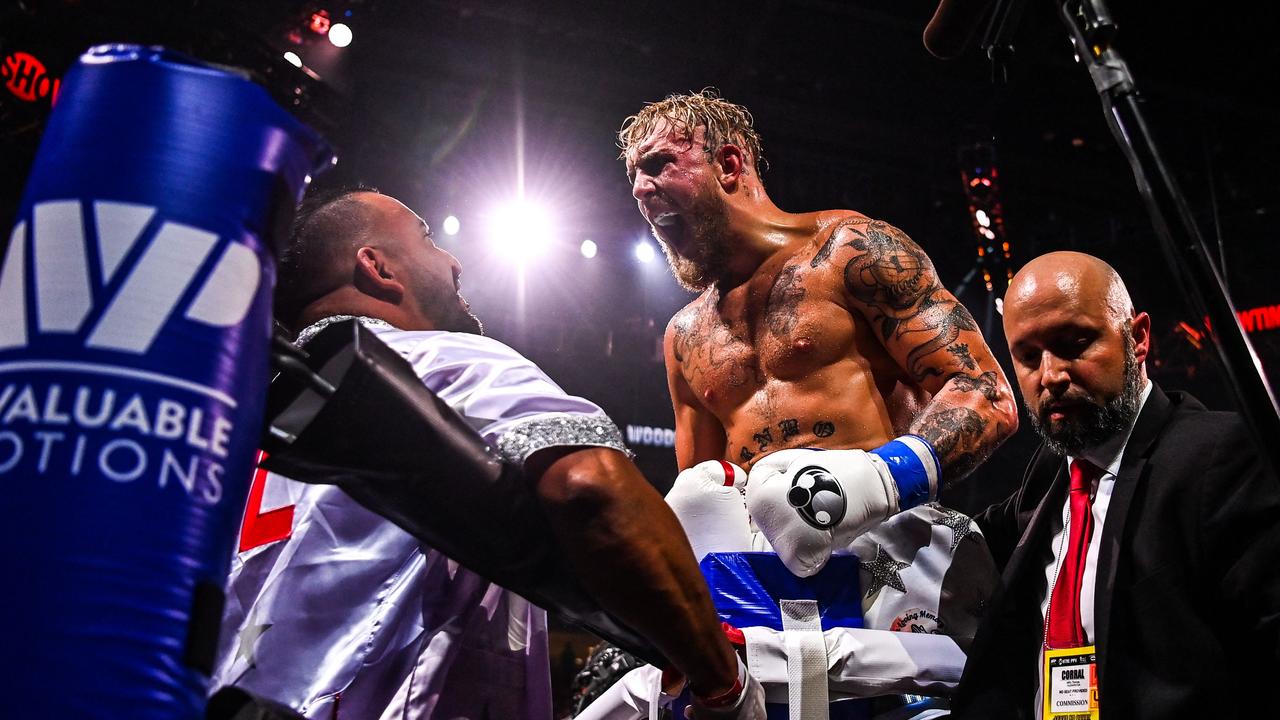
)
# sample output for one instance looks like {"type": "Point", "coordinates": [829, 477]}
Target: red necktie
{"type": "Point", "coordinates": [1063, 627]}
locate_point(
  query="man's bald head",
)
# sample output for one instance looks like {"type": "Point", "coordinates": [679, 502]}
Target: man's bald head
{"type": "Point", "coordinates": [1070, 278]}
{"type": "Point", "coordinates": [360, 252]}
{"type": "Point", "coordinates": [1078, 348]}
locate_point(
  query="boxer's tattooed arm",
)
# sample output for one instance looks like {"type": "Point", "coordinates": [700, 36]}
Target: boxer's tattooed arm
{"type": "Point", "coordinates": [895, 281]}
{"type": "Point", "coordinates": [935, 340]}
{"type": "Point", "coordinates": [956, 434]}
{"type": "Point", "coordinates": [987, 384]}
{"type": "Point", "coordinates": [824, 252]}
{"type": "Point", "coordinates": [963, 356]}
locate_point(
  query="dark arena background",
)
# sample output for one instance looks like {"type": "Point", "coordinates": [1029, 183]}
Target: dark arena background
{"type": "Point", "coordinates": [496, 122]}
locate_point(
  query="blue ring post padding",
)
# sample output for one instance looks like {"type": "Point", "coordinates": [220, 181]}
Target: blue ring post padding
{"type": "Point", "coordinates": [135, 306]}
{"type": "Point", "coordinates": [746, 589]}
{"type": "Point", "coordinates": [908, 472]}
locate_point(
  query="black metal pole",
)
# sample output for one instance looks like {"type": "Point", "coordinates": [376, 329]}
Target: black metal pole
{"type": "Point", "coordinates": [1184, 248]}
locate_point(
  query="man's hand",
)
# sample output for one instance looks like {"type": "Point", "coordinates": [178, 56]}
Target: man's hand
{"type": "Point", "coordinates": [744, 701]}
{"type": "Point", "coordinates": [807, 502]}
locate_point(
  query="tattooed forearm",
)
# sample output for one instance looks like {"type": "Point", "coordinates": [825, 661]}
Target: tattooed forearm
{"type": "Point", "coordinates": [959, 437]}
{"type": "Point", "coordinates": [986, 383]}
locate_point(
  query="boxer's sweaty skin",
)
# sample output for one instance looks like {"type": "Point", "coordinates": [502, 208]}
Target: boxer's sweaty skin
{"type": "Point", "coordinates": [843, 339]}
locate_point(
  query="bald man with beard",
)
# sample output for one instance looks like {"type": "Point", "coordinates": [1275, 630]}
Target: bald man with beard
{"type": "Point", "coordinates": [1140, 554]}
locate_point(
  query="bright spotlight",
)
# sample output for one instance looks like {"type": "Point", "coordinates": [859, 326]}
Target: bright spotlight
{"type": "Point", "coordinates": [520, 231]}
{"type": "Point", "coordinates": [340, 35]}
{"type": "Point", "coordinates": [644, 251]}
{"type": "Point", "coordinates": [1000, 305]}
{"type": "Point", "coordinates": [451, 225]}
{"type": "Point", "coordinates": [293, 58]}
{"type": "Point", "coordinates": [986, 233]}
{"type": "Point", "coordinates": [983, 219]}
{"type": "Point", "coordinates": [588, 248]}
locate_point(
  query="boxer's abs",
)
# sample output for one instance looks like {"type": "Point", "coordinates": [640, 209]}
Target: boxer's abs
{"type": "Point", "coordinates": [771, 405]}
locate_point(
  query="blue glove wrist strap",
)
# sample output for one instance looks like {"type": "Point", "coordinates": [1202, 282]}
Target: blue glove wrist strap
{"type": "Point", "coordinates": [914, 467]}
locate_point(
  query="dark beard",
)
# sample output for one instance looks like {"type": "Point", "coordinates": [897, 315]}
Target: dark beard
{"type": "Point", "coordinates": [708, 256]}
{"type": "Point", "coordinates": [1097, 423]}
{"type": "Point", "coordinates": [457, 317]}
{"type": "Point", "coordinates": [446, 308]}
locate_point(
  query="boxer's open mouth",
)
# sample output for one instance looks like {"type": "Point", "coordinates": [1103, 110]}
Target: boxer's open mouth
{"type": "Point", "coordinates": [666, 219]}
{"type": "Point", "coordinates": [669, 226]}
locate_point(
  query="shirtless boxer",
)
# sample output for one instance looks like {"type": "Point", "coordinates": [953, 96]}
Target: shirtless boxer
{"type": "Point", "coordinates": [812, 330]}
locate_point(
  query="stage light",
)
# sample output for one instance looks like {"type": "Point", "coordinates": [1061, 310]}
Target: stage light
{"type": "Point", "coordinates": [978, 172]}
{"type": "Point", "coordinates": [644, 251]}
{"type": "Point", "coordinates": [340, 35]}
{"type": "Point", "coordinates": [1000, 305]}
{"type": "Point", "coordinates": [588, 249]}
{"type": "Point", "coordinates": [293, 59]}
{"type": "Point", "coordinates": [451, 225]}
{"type": "Point", "coordinates": [320, 22]}
{"type": "Point", "coordinates": [520, 231]}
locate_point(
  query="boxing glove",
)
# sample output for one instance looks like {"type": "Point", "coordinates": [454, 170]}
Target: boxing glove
{"type": "Point", "coordinates": [707, 500]}
{"type": "Point", "coordinates": [808, 501]}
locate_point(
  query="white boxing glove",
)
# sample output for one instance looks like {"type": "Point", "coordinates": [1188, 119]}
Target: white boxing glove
{"type": "Point", "coordinates": [807, 501]}
{"type": "Point", "coordinates": [707, 500]}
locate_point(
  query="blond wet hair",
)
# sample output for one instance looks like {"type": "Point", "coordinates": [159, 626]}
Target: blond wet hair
{"type": "Point", "coordinates": [723, 123]}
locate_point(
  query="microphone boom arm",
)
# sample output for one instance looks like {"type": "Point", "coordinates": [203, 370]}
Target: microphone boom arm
{"type": "Point", "coordinates": [1092, 31]}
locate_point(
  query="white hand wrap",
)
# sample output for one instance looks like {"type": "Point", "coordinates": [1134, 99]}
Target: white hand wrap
{"type": "Point", "coordinates": [707, 500]}
{"type": "Point", "coordinates": [749, 704]}
{"type": "Point", "coordinates": [807, 502]}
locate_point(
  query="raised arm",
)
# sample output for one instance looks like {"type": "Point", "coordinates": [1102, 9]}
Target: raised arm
{"type": "Point", "coordinates": [631, 554]}
{"type": "Point", "coordinates": [892, 282]}
{"type": "Point", "coordinates": [699, 434]}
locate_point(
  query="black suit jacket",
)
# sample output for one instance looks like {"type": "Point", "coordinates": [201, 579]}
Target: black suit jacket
{"type": "Point", "coordinates": [1187, 608]}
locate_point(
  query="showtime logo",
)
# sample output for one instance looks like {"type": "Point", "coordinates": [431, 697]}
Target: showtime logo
{"type": "Point", "coordinates": [68, 272]}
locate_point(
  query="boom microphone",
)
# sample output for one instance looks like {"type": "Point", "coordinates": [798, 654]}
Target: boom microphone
{"type": "Point", "coordinates": [952, 25]}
